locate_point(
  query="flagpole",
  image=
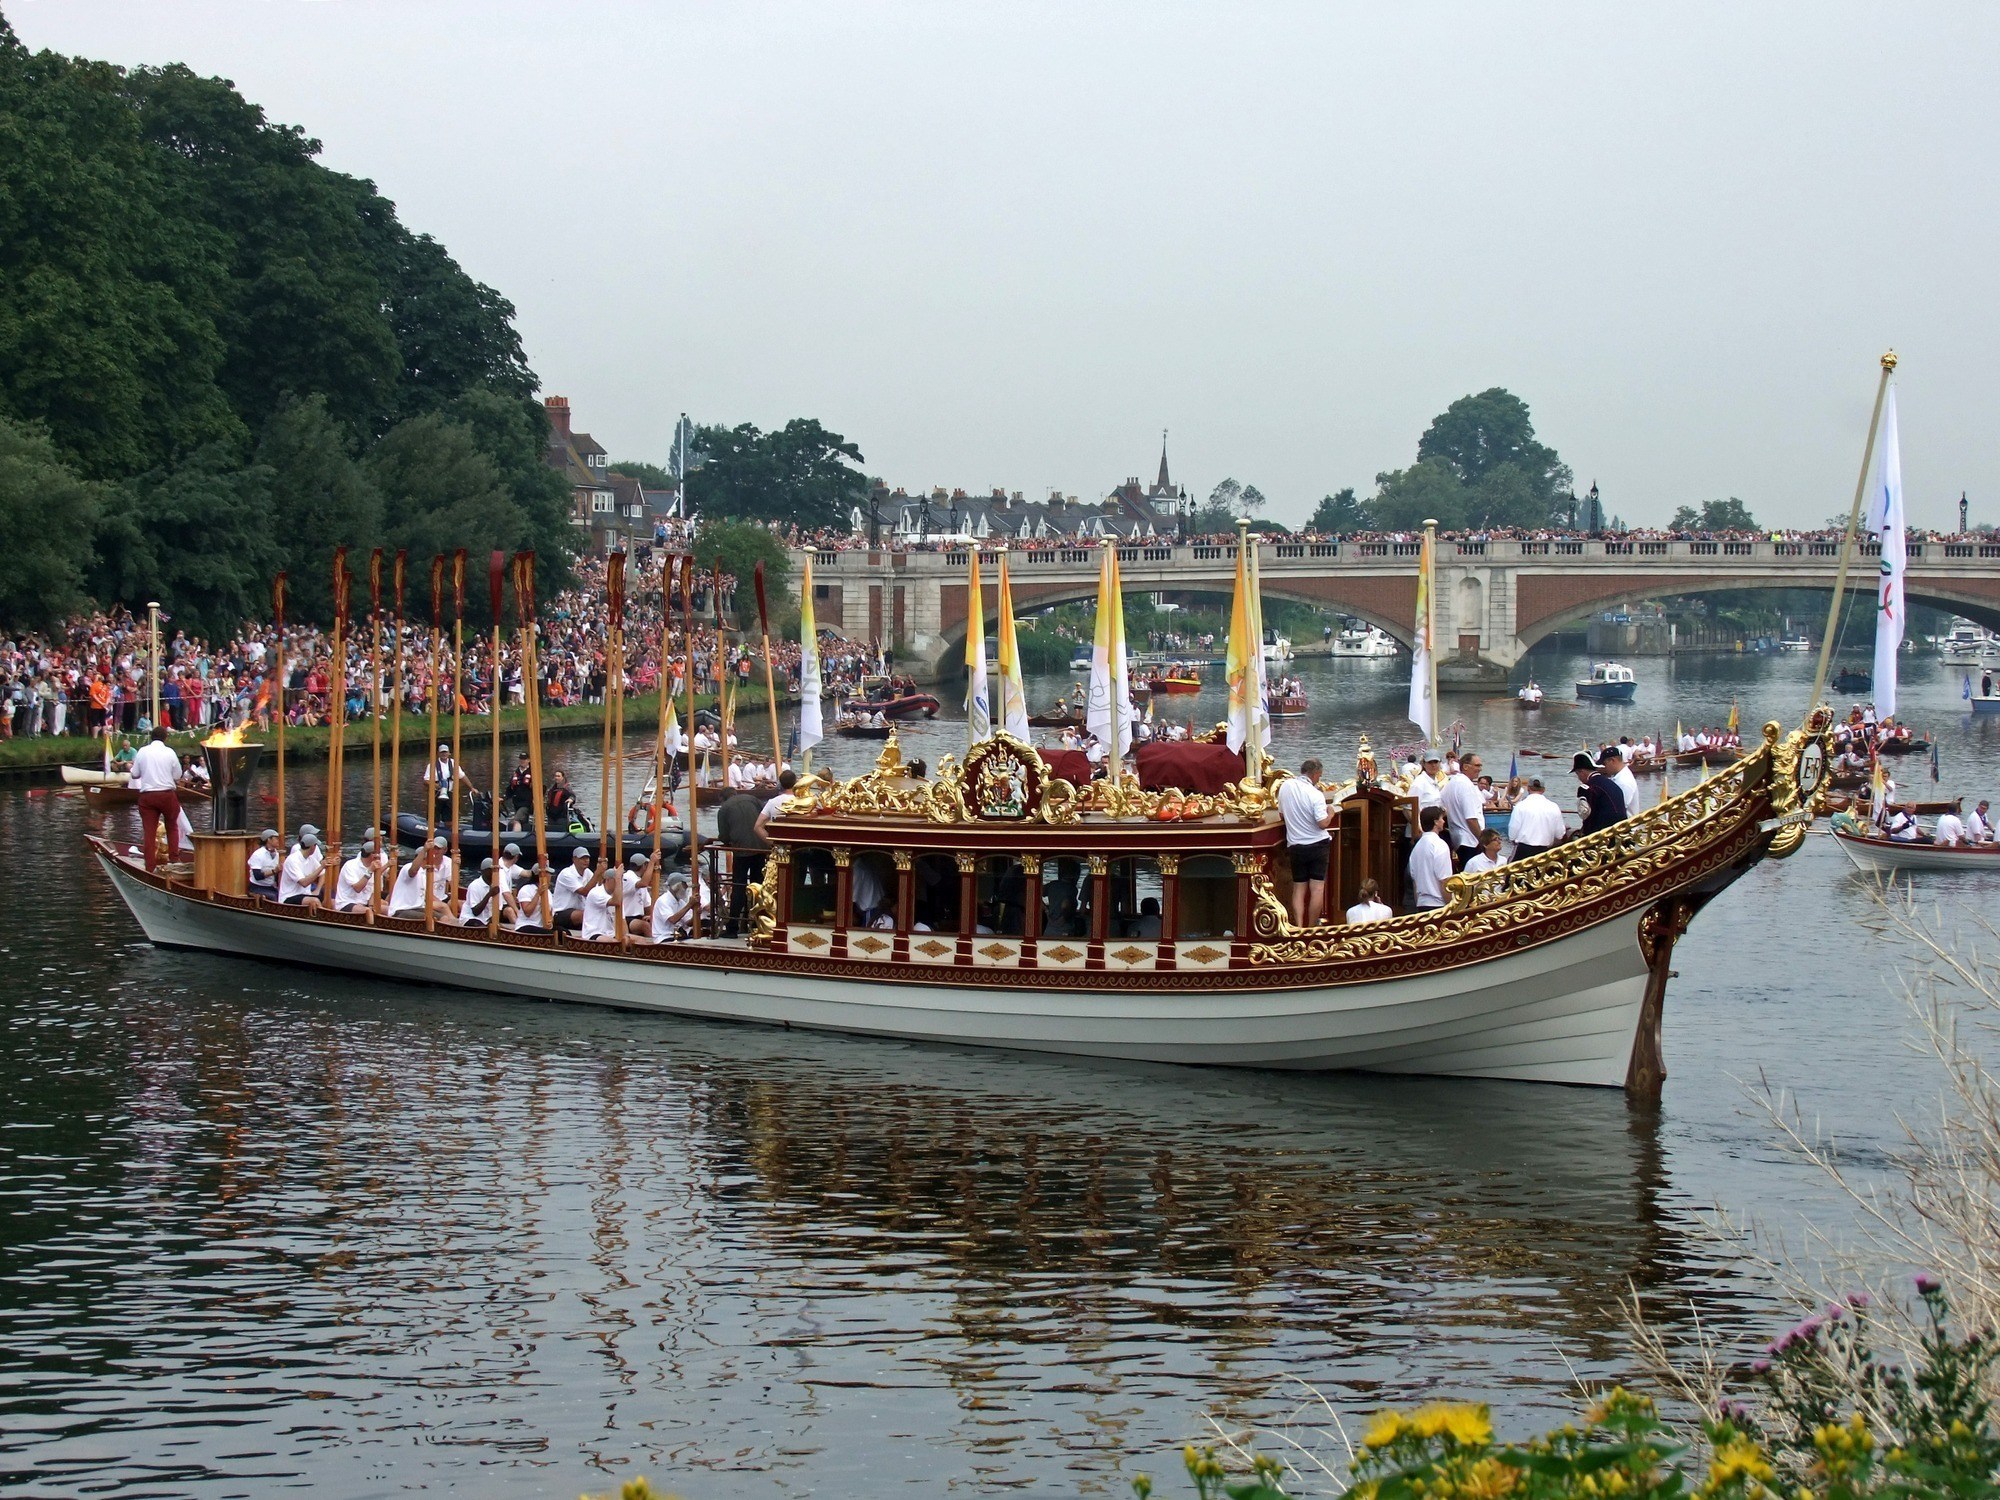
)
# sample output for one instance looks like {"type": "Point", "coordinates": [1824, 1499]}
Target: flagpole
{"type": "Point", "coordinates": [666, 708]}
{"type": "Point", "coordinates": [496, 584]}
{"type": "Point", "coordinates": [336, 747]}
{"type": "Point", "coordinates": [278, 610]}
{"type": "Point", "coordinates": [1113, 634]}
{"type": "Point", "coordinates": [722, 705]}
{"type": "Point", "coordinates": [375, 681]}
{"type": "Point", "coordinates": [614, 737]}
{"type": "Point", "coordinates": [1847, 540]}
{"type": "Point", "coordinates": [396, 703]}
{"type": "Point", "coordinates": [693, 824]}
{"type": "Point", "coordinates": [524, 604]}
{"type": "Point", "coordinates": [770, 678]}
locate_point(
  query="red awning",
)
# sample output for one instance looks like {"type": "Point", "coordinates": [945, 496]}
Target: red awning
{"type": "Point", "coordinates": [1189, 766]}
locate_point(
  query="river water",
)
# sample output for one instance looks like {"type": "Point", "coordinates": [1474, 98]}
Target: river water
{"type": "Point", "coordinates": [270, 1229]}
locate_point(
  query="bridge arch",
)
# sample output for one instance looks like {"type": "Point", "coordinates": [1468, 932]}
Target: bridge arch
{"type": "Point", "coordinates": [1617, 593]}
{"type": "Point", "coordinates": [948, 657]}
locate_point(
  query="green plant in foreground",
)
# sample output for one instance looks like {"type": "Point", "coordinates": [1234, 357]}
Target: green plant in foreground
{"type": "Point", "coordinates": [1835, 1422]}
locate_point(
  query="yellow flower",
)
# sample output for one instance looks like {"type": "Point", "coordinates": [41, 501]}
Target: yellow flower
{"type": "Point", "coordinates": [1739, 1458]}
{"type": "Point", "coordinates": [1383, 1429]}
{"type": "Point", "coordinates": [1469, 1426]}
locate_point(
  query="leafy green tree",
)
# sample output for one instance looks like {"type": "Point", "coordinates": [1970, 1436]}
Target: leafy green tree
{"type": "Point", "coordinates": [1505, 496]}
{"type": "Point", "coordinates": [196, 537]}
{"type": "Point", "coordinates": [108, 288]}
{"type": "Point", "coordinates": [652, 476]}
{"type": "Point", "coordinates": [802, 474]}
{"type": "Point", "coordinates": [456, 335]}
{"type": "Point", "coordinates": [1428, 490]}
{"type": "Point", "coordinates": [1252, 500]}
{"type": "Point", "coordinates": [739, 546]}
{"type": "Point", "coordinates": [47, 515]}
{"type": "Point", "coordinates": [320, 499]}
{"type": "Point", "coordinates": [440, 492]}
{"type": "Point", "coordinates": [1478, 434]}
{"type": "Point", "coordinates": [513, 432]}
{"type": "Point", "coordinates": [1340, 513]}
{"type": "Point", "coordinates": [1685, 518]}
{"type": "Point", "coordinates": [1721, 515]}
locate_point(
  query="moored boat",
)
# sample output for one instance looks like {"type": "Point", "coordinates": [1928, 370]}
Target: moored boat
{"type": "Point", "coordinates": [92, 776]}
{"type": "Point", "coordinates": [1891, 856]}
{"type": "Point", "coordinates": [476, 844]}
{"type": "Point", "coordinates": [1176, 680]}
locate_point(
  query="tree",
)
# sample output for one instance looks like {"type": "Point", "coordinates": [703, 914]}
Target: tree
{"type": "Point", "coordinates": [739, 546]}
{"type": "Point", "coordinates": [47, 515]}
{"type": "Point", "coordinates": [1252, 500]}
{"type": "Point", "coordinates": [1339, 514]}
{"type": "Point", "coordinates": [1505, 496]}
{"type": "Point", "coordinates": [320, 499]}
{"type": "Point", "coordinates": [652, 476]}
{"type": "Point", "coordinates": [801, 474]}
{"type": "Point", "coordinates": [1428, 490]}
{"type": "Point", "coordinates": [440, 492]}
{"type": "Point", "coordinates": [1686, 518]}
{"type": "Point", "coordinates": [196, 537]}
{"type": "Point", "coordinates": [1478, 434]}
{"type": "Point", "coordinates": [1721, 515]}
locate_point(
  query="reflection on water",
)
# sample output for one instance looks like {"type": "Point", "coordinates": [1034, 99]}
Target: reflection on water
{"type": "Point", "coordinates": [266, 1228]}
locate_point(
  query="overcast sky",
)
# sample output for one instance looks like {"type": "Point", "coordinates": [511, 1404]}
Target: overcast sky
{"type": "Point", "coordinates": [1008, 244]}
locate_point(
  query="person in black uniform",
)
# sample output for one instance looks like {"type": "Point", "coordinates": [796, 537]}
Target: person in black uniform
{"type": "Point", "coordinates": [1602, 803]}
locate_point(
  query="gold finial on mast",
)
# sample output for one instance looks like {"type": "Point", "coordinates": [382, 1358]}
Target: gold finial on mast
{"type": "Point", "coordinates": [1889, 360]}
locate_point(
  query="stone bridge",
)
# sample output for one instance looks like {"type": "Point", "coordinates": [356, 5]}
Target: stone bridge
{"type": "Point", "coordinates": [1495, 598]}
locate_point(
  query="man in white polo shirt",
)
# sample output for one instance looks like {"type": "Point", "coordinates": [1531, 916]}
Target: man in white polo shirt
{"type": "Point", "coordinates": [156, 777]}
{"type": "Point", "coordinates": [1430, 861]}
{"type": "Point", "coordinates": [298, 876]}
{"type": "Point", "coordinates": [1303, 806]}
{"type": "Point", "coordinates": [1464, 811]}
{"type": "Point", "coordinates": [1536, 823]}
{"type": "Point", "coordinates": [566, 896]}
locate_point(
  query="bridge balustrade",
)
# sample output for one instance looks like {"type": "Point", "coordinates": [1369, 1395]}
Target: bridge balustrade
{"type": "Point", "coordinates": [1076, 554]}
{"type": "Point", "coordinates": [1958, 549]}
{"type": "Point", "coordinates": [1374, 549]}
{"type": "Point", "coordinates": [1617, 549]}
{"type": "Point", "coordinates": [1703, 549]}
{"type": "Point", "coordinates": [1911, 549]}
{"type": "Point", "coordinates": [1534, 549]}
{"type": "Point", "coordinates": [1788, 549]}
{"type": "Point", "coordinates": [1406, 549]}
{"type": "Point", "coordinates": [1738, 549]}
{"type": "Point", "coordinates": [1472, 549]}
{"type": "Point", "coordinates": [1569, 549]}
{"type": "Point", "coordinates": [1989, 549]}
{"type": "Point", "coordinates": [1652, 549]}
{"type": "Point", "coordinates": [1325, 549]}
{"type": "Point", "coordinates": [1823, 549]}
{"type": "Point", "coordinates": [1291, 549]}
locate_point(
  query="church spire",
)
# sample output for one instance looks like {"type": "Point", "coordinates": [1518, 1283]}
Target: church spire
{"type": "Point", "coordinates": [1163, 486]}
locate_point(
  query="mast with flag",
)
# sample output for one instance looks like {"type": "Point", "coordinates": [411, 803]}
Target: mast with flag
{"type": "Point", "coordinates": [811, 731]}
{"type": "Point", "coordinates": [1260, 697]}
{"type": "Point", "coordinates": [1885, 520]}
{"type": "Point", "coordinates": [1423, 657]}
{"type": "Point", "coordinates": [1108, 714]}
{"type": "Point", "coordinates": [978, 693]}
{"type": "Point", "coordinates": [1013, 691]}
{"type": "Point", "coordinates": [1244, 658]}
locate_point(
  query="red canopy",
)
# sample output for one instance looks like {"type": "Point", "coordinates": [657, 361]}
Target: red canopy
{"type": "Point", "coordinates": [1072, 766]}
{"type": "Point", "coordinates": [1189, 766]}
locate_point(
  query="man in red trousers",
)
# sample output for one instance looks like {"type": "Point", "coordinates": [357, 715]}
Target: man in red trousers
{"type": "Point", "coordinates": [156, 776]}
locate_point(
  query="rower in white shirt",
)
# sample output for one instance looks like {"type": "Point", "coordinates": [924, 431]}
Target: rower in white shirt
{"type": "Point", "coordinates": [638, 890]}
{"type": "Point", "coordinates": [673, 913]}
{"type": "Point", "coordinates": [510, 868]}
{"type": "Point", "coordinates": [528, 913]}
{"type": "Point", "coordinates": [426, 876]}
{"type": "Point", "coordinates": [1949, 832]}
{"type": "Point", "coordinates": [298, 876]}
{"type": "Point", "coordinates": [600, 908]}
{"type": "Point", "coordinates": [485, 889]}
{"type": "Point", "coordinates": [1368, 906]}
{"type": "Point", "coordinates": [566, 897]}
{"type": "Point", "coordinates": [1979, 825]}
{"type": "Point", "coordinates": [264, 860]}
{"type": "Point", "coordinates": [1430, 861]}
{"type": "Point", "coordinates": [357, 887]}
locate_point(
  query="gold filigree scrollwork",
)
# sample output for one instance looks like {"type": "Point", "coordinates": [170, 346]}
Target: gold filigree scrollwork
{"type": "Point", "coordinates": [763, 913]}
{"type": "Point", "coordinates": [781, 854]}
{"type": "Point", "coordinates": [1583, 870]}
{"type": "Point", "coordinates": [967, 862]}
{"type": "Point", "coordinates": [1059, 803]}
{"type": "Point", "coordinates": [904, 858]}
{"type": "Point", "coordinates": [842, 857]}
{"type": "Point", "coordinates": [1170, 864]}
{"type": "Point", "coordinates": [1098, 863]}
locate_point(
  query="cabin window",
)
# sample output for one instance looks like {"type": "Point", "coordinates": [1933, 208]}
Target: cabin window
{"type": "Point", "coordinates": [1137, 898]}
{"type": "Point", "coordinates": [936, 903]}
{"type": "Point", "coordinates": [872, 887]}
{"type": "Point", "coordinates": [1002, 894]}
{"type": "Point", "coordinates": [1207, 897]}
{"type": "Point", "coordinates": [812, 886]}
{"type": "Point", "coordinates": [1066, 891]}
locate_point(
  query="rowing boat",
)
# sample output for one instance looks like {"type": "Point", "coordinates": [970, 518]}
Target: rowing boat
{"type": "Point", "coordinates": [1881, 856]}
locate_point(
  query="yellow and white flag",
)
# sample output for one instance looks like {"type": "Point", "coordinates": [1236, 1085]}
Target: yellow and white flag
{"type": "Point", "coordinates": [1423, 706]}
{"type": "Point", "coordinates": [1013, 691]}
{"type": "Point", "coordinates": [978, 695]}
{"type": "Point", "coordinates": [811, 728]}
{"type": "Point", "coordinates": [1240, 664]}
{"type": "Point", "coordinates": [1109, 711]}
{"type": "Point", "coordinates": [1260, 700]}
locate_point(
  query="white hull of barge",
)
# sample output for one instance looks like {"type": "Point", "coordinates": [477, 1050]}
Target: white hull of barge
{"type": "Point", "coordinates": [1565, 1011]}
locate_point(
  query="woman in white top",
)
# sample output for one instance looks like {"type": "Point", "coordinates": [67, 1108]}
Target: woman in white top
{"type": "Point", "coordinates": [1370, 907]}
{"type": "Point", "coordinates": [600, 914]}
{"type": "Point", "coordinates": [529, 914]}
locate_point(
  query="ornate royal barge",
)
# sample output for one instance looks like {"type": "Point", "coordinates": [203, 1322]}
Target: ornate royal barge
{"type": "Point", "coordinates": [995, 904]}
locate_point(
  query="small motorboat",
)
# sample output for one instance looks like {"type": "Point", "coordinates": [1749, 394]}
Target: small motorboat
{"type": "Point", "coordinates": [1853, 680]}
{"type": "Point", "coordinates": [1795, 643]}
{"type": "Point", "coordinates": [475, 844]}
{"type": "Point", "coordinates": [1916, 745]}
{"type": "Point", "coordinates": [909, 705]}
{"type": "Point", "coordinates": [1609, 682]}
{"type": "Point", "coordinates": [1289, 703]}
{"type": "Point", "coordinates": [1063, 716]}
{"type": "Point", "coordinates": [1366, 642]}
{"type": "Point", "coordinates": [1175, 680]}
{"type": "Point", "coordinates": [1529, 696]}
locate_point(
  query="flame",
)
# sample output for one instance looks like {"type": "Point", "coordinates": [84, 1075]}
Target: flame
{"type": "Point", "coordinates": [224, 739]}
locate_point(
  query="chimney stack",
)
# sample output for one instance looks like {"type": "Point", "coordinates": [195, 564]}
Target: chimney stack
{"type": "Point", "coordinates": [558, 410]}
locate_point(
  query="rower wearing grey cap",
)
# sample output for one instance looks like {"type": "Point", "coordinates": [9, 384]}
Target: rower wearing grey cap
{"type": "Point", "coordinates": [566, 898]}
{"type": "Point", "coordinates": [359, 886]}
{"type": "Point", "coordinates": [638, 889]}
{"type": "Point", "coordinates": [480, 896]}
{"type": "Point", "coordinates": [264, 860]}
{"type": "Point", "coordinates": [298, 877]}
{"type": "Point", "coordinates": [510, 867]}
{"type": "Point", "coordinates": [428, 870]}
{"type": "Point", "coordinates": [528, 915]}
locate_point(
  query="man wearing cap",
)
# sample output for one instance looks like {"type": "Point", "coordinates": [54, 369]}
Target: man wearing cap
{"type": "Point", "coordinates": [156, 777]}
{"type": "Point", "coordinates": [520, 800]}
{"type": "Point", "coordinates": [509, 873]}
{"type": "Point", "coordinates": [1619, 770]}
{"type": "Point", "coordinates": [1537, 823]}
{"type": "Point", "coordinates": [600, 897]}
{"type": "Point", "coordinates": [638, 890]}
{"type": "Point", "coordinates": [264, 860]}
{"type": "Point", "coordinates": [1464, 810]}
{"type": "Point", "coordinates": [445, 774]}
{"type": "Point", "coordinates": [359, 886]}
{"type": "Point", "coordinates": [480, 895]}
{"type": "Point", "coordinates": [527, 913]}
{"type": "Point", "coordinates": [1602, 804]}
{"type": "Point", "coordinates": [427, 871]}
{"type": "Point", "coordinates": [1426, 786]}
{"type": "Point", "coordinates": [566, 898]}
{"type": "Point", "coordinates": [298, 876]}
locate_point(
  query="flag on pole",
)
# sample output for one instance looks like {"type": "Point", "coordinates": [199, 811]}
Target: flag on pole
{"type": "Point", "coordinates": [1878, 802]}
{"type": "Point", "coordinates": [978, 695]}
{"type": "Point", "coordinates": [1514, 767]}
{"type": "Point", "coordinates": [1885, 520]}
{"type": "Point", "coordinates": [1243, 649]}
{"type": "Point", "coordinates": [1110, 690]}
{"type": "Point", "coordinates": [1934, 762]}
{"type": "Point", "coordinates": [1423, 711]}
{"type": "Point", "coordinates": [811, 730]}
{"type": "Point", "coordinates": [1966, 691]}
{"type": "Point", "coordinates": [670, 735]}
{"type": "Point", "coordinates": [1013, 692]}
{"type": "Point", "coordinates": [1260, 700]}
{"type": "Point", "coordinates": [1735, 715]}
